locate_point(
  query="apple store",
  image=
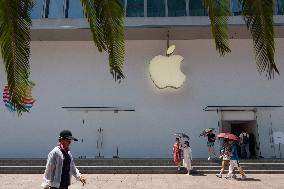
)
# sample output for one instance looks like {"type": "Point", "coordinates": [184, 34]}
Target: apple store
{"type": "Point", "coordinates": [175, 81]}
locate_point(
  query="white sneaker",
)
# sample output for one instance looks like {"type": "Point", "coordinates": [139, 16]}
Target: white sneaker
{"type": "Point", "coordinates": [178, 168]}
{"type": "Point", "coordinates": [228, 177]}
{"type": "Point", "coordinates": [219, 175]}
{"type": "Point", "coordinates": [209, 158]}
{"type": "Point", "coordinates": [243, 177]}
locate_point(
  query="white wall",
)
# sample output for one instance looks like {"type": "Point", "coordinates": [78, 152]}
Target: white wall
{"type": "Point", "coordinates": [75, 74]}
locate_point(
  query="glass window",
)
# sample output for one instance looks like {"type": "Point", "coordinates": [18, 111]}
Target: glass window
{"type": "Point", "coordinates": [75, 9]}
{"type": "Point", "coordinates": [280, 7]}
{"type": "Point", "coordinates": [37, 9]}
{"type": "Point", "coordinates": [156, 8]}
{"type": "Point", "coordinates": [135, 8]}
{"type": "Point", "coordinates": [56, 9]}
{"type": "Point", "coordinates": [236, 7]}
{"type": "Point", "coordinates": [196, 8]}
{"type": "Point", "coordinates": [176, 8]}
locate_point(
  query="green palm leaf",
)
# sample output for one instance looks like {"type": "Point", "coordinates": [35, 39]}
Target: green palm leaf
{"type": "Point", "coordinates": [218, 11]}
{"type": "Point", "coordinates": [106, 22]}
{"type": "Point", "coordinates": [258, 16]}
{"type": "Point", "coordinates": [15, 26]}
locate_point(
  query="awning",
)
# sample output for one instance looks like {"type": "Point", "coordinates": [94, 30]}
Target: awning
{"type": "Point", "coordinates": [97, 108]}
{"type": "Point", "coordinates": [239, 108]}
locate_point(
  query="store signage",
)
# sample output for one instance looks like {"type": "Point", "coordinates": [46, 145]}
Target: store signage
{"type": "Point", "coordinates": [165, 70]}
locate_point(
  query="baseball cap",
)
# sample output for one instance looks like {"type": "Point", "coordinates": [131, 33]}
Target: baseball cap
{"type": "Point", "coordinates": [66, 134]}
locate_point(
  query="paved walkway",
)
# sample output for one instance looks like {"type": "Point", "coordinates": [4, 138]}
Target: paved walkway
{"type": "Point", "coordinates": [149, 181]}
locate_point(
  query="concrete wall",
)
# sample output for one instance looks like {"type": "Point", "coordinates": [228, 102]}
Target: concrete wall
{"type": "Point", "coordinates": [75, 74]}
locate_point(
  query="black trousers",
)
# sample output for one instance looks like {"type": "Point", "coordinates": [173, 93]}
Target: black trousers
{"type": "Point", "coordinates": [58, 188]}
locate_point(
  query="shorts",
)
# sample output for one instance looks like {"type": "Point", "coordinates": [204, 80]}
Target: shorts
{"type": "Point", "coordinates": [210, 144]}
{"type": "Point", "coordinates": [225, 163]}
{"type": "Point", "coordinates": [234, 163]}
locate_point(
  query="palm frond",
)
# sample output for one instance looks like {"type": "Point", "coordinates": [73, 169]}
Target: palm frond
{"type": "Point", "coordinates": [258, 15]}
{"type": "Point", "coordinates": [15, 23]}
{"type": "Point", "coordinates": [106, 22]}
{"type": "Point", "coordinates": [218, 11]}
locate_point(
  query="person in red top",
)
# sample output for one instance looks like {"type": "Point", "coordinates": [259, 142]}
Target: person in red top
{"type": "Point", "coordinates": [177, 153]}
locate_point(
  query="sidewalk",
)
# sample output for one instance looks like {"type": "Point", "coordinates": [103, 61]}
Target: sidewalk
{"type": "Point", "coordinates": [149, 181]}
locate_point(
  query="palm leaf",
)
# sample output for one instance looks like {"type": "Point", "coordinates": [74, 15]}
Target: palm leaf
{"type": "Point", "coordinates": [258, 15]}
{"type": "Point", "coordinates": [218, 11]}
{"type": "Point", "coordinates": [15, 26]}
{"type": "Point", "coordinates": [106, 22]}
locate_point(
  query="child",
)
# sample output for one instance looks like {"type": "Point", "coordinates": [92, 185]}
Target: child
{"type": "Point", "coordinates": [234, 161]}
{"type": "Point", "coordinates": [225, 157]}
{"type": "Point", "coordinates": [187, 157]}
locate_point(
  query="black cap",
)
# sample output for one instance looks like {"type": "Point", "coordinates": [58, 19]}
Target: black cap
{"type": "Point", "coordinates": [66, 134]}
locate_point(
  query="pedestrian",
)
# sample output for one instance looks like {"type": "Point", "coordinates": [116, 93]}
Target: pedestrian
{"type": "Point", "coordinates": [177, 153]}
{"type": "Point", "coordinates": [224, 155]}
{"type": "Point", "coordinates": [244, 142]}
{"type": "Point", "coordinates": [60, 164]}
{"type": "Point", "coordinates": [210, 144]}
{"type": "Point", "coordinates": [234, 161]}
{"type": "Point", "coordinates": [187, 157]}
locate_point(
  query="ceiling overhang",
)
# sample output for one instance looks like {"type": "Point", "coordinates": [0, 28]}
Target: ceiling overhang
{"type": "Point", "coordinates": [239, 108]}
{"type": "Point", "coordinates": [145, 28]}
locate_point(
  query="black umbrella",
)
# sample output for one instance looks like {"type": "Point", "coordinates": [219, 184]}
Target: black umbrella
{"type": "Point", "coordinates": [182, 135]}
{"type": "Point", "coordinates": [205, 131]}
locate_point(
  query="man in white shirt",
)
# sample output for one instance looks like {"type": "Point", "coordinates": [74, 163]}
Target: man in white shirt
{"type": "Point", "coordinates": [60, 164]}
{"type": "Point", "coordinates": [244, 142]}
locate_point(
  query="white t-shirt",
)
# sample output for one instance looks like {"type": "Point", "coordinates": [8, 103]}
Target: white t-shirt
{"type": "Point", "coordinates": [242, 136]}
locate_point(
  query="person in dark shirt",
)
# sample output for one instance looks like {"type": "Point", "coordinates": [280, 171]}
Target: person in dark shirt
{"type": "Point", "coordinates": [210, 144]}
{"type": "Point", "coordinates": [60, 164]}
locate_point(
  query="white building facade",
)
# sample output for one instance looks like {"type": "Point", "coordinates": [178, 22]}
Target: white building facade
{"type": "Point", "coordinates": [134, 119]}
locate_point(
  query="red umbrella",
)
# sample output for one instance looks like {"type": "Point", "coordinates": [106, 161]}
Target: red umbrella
{"type": "Point", "coordinates": [231, 137]}
{"type": "Point", "coordinates": [221, 135]}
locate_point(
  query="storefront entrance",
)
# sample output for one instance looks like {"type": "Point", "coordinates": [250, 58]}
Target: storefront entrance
{"type": "Point", "coordinates": [236, 127]}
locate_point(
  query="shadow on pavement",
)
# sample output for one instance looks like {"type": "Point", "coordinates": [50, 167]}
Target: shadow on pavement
{"type": "Point", "coordinates": [248, 179]}
{"type": "Point", "coordinates": [196, 173]}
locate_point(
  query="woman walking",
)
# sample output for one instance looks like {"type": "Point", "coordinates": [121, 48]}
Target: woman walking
{"type": "Point", "coordinates": [187, 157]}
{"type": "Point", "coordinates": [177, 153]}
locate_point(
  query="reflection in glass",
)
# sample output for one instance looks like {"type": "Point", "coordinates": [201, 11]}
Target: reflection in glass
{"type": "Point", "coordinates": [75, 9]}
{"type": "Point", "coordinates": [56, 9]}
{"type": "Point", "coordinates": [156, 8]}
{"type": "Point", "coordinates": [280, 7]}
{"type": "Point", "coordinates": [196, 8]}
{"type": "Point", "coordinates": [176, 8]}
{"type": "Point", "coordinates": [37, 10]}
{"type": "Point", "coordinates": [236, 7]}
{"type": "Point", "coordinates": [135, 8]}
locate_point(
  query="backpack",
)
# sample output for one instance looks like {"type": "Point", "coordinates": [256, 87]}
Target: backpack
{"type": "Point", "coordinates": [245, 139]}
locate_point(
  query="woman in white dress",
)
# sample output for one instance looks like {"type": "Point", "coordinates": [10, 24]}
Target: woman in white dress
{"type": "Point", "coordinates": [187, 157]}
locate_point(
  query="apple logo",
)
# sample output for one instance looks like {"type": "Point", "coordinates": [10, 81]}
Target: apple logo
{"type": "Point", "coordinates": [165, 70]}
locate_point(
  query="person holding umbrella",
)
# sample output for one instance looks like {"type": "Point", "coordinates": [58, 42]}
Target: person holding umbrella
{"type": "Point", "coordinates": [177, 153]}
{"type": "Point", "coordinates": [210, 142]}
{"type": "Point", "coordinates": [187, 157]}
{"type": "Point", "coordinates": [225, 157]}
{"type": "Point", "coordinates": [234, 160]}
